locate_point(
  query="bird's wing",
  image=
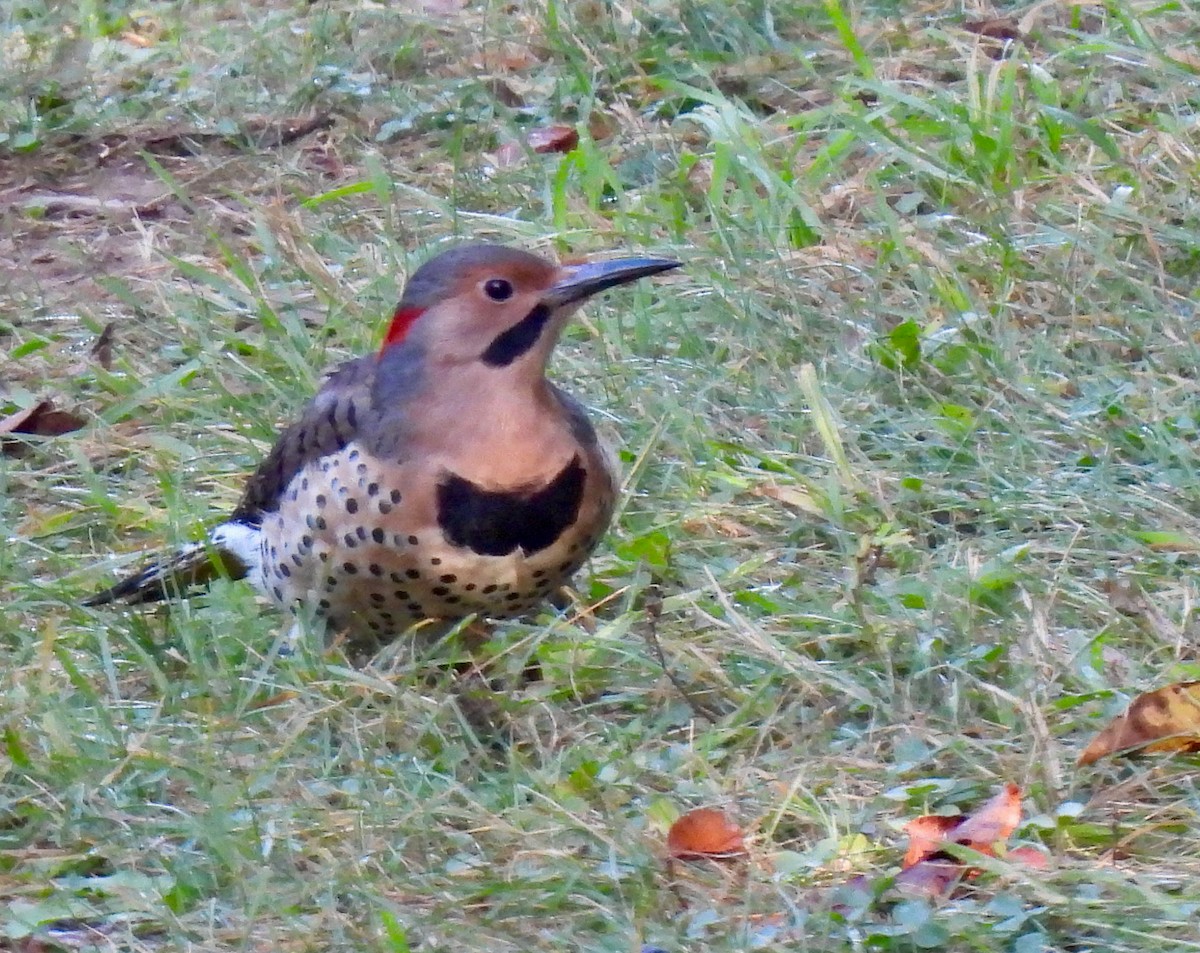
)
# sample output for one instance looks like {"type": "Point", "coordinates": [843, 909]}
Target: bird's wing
{"type": "Point", "coordinates": [327, 423]}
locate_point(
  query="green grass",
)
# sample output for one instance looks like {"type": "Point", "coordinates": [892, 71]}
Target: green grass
{"type": "Point", "coordinates": [910, 451]}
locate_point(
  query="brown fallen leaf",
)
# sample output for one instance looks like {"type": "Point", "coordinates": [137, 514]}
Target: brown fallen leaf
{"type": "Point", "coordinates": [992, 823]}
{"type": "Point", "coordinates": [553, 139]}
{"type": "Point", "coordinates": [40, 420]}
{"type": "Point", "coordinates": [279, 698]}
{"type": "Point", "coordinates": [136, 39]}
{"type": "Point", "coordinates": [719, 525]}
{"type": "Point", "coordinates": [543, 139]}
{"type": "Point", "coordinates": [928, 871]}
{"type": "Point", "coordinates": [995, 28]}
{"type": "Point", "coordinates": [1029, 856]}
{"type": "Point", "coordinates": [706, 832]}
{"type": "Point", "coordinates": [102, 348]}
{"type": "Point", "coordinates": [988, 825]}
{"type": "Point", "coordinates": [925, 836]}
{"type": "Point", "coordinates": [792, 496]}
{"type": "Point", "coordinates": [1164, 720]}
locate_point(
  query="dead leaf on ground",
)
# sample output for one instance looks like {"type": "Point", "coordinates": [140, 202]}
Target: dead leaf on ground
{"type": "Point", "coordinates": [543, 139]}
{"type": "Point", "coordinates": [792, 496]}
{"type": "Point", "coordinates": [1164, 720]}
{"type": "Point", "coordinates": [100, 353]}
{"type": "Point", "coordinates": [1029, 856]}
{"type": "Point", "coordinates": [279, 698]}
{"type": "Point", "coordinates": [720, 525]}
{"type": "Point", "coordinates": [925, 836]}
{"type": "Point", "coordinates": [928, 871]}
{"type": "Point", "coordinates": [136, 39]}
{"type": "Point", "coordinates": [706, 832]}
{"type": "Point", "coordinates": [995, 28]}
{"type": "Point", "coordinates": [40, 420]}
{"type": "Point", "coordinates": [553, 139]}
{"type": "Point", "coordinates": [991, 824]}
{"type": "Point", "coordinates": [102, 348]}
{"type": "Point", "coordinates": [1183, 56]}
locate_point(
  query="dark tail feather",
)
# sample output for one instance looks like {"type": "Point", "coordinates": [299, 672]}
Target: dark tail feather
{"type": "Point", "coordinates": [191, 567]}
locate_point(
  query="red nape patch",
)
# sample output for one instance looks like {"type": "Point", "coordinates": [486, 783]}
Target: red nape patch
{"type": "Point", "coordinates": [402, 320]}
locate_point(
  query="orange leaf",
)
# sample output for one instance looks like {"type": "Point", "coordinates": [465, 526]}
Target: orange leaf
{"type": "Point", "coordinates": [279, 698]}
{"type": "Point", "coordinates": [1029, 856]}
{"type": "Point", "coordinates": [553, 139]}
{"type": "Point", "coordinates": [926, 834]}
{"type": "Point", "coordinates": [992, 823]}
{"type": "Point", "coordinates": [543, 139]}
{"type": "Point", "coordinates": [705, 832]}
{"type": "Point", "coordinates": [981, 830]}
{"type": "Point", "coordinates": [1166, 719]}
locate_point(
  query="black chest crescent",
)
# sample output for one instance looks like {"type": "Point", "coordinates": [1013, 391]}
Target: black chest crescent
{"type": "Point", "coordinates": [496, 522]}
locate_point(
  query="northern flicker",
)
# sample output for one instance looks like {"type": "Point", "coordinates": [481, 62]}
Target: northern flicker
{"type": "Point", "coordinates": [442, 476]}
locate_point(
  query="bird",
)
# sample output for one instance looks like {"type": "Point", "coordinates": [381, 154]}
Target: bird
{"type": "Point", "coordinates": [439, 478]}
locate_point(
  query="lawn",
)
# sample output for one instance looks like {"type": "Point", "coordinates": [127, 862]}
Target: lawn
{"type": "Point", "coordinates": [909, 448]}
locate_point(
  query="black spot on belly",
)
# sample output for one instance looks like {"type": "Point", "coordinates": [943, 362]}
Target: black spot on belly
{"type": "Point", "coordinates": [495, 522]}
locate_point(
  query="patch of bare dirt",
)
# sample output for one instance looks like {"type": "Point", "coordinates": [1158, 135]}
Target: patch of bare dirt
{"type": "Point", "coordinates": [80, 210]}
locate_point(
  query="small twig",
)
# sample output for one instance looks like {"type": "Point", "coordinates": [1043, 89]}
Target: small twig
{"type": "Point", "coordinates": [654, 606]}
{"type": "Point", "coordinates": [273, 137]}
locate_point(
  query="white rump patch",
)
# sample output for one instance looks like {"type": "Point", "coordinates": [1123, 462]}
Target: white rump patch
{"type": "Point", "coordinates": [241, 542]}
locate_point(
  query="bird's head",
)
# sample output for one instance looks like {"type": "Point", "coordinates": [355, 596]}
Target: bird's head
{"type": "Point", "coordinates": [500, 307]}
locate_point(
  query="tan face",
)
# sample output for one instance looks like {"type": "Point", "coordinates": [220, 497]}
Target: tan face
{"type": "Point", "coordinates": [500, 307]}
{"type": "Point", "coordinates": [497, 317]}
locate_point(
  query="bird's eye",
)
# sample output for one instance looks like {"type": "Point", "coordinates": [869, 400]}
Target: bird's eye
{"type": "Point", "coordinates": [498, 289]}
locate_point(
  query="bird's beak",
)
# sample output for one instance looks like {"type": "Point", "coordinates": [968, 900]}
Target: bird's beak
{"type": "Point", "coordinates": [577, 282]}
